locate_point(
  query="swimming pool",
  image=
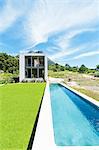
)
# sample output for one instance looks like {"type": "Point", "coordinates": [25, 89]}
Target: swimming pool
{"type": "Point", "coordinates": [75, 120]}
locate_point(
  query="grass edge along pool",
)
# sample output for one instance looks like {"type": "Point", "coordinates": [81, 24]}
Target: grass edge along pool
{"type": "Point", "coordinates": [75, 121]}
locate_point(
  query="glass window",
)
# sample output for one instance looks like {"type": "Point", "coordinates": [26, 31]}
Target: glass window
{"type": "Point", "coordinates": [41, 61]}
{"type": "Point", "coordinates": [41, 73]}
{"type": "Point", "coordinates": [34, 73]}
{"type": "Point", "coordinates": [27, 61]}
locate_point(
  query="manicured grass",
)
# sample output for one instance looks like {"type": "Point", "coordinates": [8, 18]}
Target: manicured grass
{"type": "Point", "coordinates": [19, 105]}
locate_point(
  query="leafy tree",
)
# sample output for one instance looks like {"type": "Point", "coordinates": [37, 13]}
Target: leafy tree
{"type": "Point", "coordinates": [57, 65]}
{"type": "Point", "coordinates": [9, 63]}
{"type": "Point", "coordinates": [62, 68]}
{"type": "Point", "coordinates": [67, 67]}
{"type": "Point", "coordinates": [96, 74]}
{"type": "Point", "coordinates": [83, 69]}
{"type": "Point", "coordinates": [74, 69]}
{"type": "Point", "coordinates": [97, 67]}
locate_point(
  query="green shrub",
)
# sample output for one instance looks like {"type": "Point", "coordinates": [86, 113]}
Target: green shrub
{"type": "Point", "coordinates": [54, 70]}
{"type": "Point", "coordinates": [96, 74]}
{"type": "Point", "coordinates": [3, 81]}
{"type": "Point", "coordinates": [7, 78]}
{"type": "Point", "coordinates": [62, 68]}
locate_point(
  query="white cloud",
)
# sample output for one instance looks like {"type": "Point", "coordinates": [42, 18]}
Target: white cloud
{"type": "Point", "coordinates": [87, 54]}
{"type": "Point", "coordinates": [67, 52]}
{"type": "Point", "coordinates": [10, 12]}
{"type": "Point", "coordinates": [49, 16]}
{"type": "Point", "coordinates": [64, 43]}
{"type": "Point", "coordinates": [63, 53]}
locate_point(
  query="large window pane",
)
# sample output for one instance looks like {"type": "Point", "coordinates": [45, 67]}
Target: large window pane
{"type": "Point", "coordinates": [34, 73]}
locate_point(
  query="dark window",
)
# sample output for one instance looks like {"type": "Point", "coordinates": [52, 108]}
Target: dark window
{"type": "Point", "coordinates": [29, 61]}
{"type": "Point", "coordinates": [28, 73]}
{"type": "Point", "coordinates": [41, 61]}
{"type": "Point", "coordinates": [34, 73]}
{"type": "Point", "coordinates": [41, 73]}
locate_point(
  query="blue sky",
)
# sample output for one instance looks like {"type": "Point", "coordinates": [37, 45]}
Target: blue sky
{"type": "Point", "coordinates": [66, 30]}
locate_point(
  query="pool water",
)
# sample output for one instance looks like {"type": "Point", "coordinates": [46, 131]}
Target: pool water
{"type": "Point", "coordinates": [75, 120]}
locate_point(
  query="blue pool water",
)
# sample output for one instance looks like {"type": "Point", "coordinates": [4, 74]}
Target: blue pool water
{"type": "Point", "coordinates": [75, 120]}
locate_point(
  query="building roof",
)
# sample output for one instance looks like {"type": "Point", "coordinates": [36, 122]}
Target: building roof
{"type": "Point", "coordinates": [33, 53]}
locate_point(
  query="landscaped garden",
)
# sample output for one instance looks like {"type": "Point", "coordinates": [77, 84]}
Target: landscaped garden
{"type": "Point", "coordinates": [19, 104]}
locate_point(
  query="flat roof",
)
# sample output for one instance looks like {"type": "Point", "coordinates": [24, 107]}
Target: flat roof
{"type": "Point", "coordinates": [32, 54]}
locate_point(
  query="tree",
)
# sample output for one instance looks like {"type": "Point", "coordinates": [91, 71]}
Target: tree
{"type": "Point", "coordinates": [9, 63]}
{"type": "Point", "coordinates": [97, 67]}
{"type": "Point", "coordinates": [74, 69]}
{"type": "Point", "coordinates": [57, 65]}
{"type": "Point", "coordinates": [62, 68]}
{"type": "Point", "coordinates": [96, 74]}
{"type": "Point", "coordinates": [83, 69]}
{"type": "Point", "coordinates": [67, 67]}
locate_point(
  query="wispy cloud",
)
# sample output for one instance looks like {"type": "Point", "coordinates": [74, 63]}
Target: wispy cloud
{"type": "Point", "coordinates": [50, 16]}
{"type": "Point", "coordinates": [10, 13]}
{"type": "Point", "coordinates": [87, 54]}
{"type": "Point", "coordinates": [65, 46]}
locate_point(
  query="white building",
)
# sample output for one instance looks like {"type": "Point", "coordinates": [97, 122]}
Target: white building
{"type": "Point", "coordinates": [33, 66]}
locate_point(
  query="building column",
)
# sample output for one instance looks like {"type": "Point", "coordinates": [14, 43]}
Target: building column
{"type": "Point", "coordinates": [31, 66]}
{"type": "Point", "coordinates": [21, 67]}
{"type": "Point", "coordinates": [37, 72]}
{"type": "Point", "coordinates": [46, 69]}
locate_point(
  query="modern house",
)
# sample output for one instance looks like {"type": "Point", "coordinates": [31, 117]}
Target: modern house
{"type": "Point", "coordinates": [33, 66]}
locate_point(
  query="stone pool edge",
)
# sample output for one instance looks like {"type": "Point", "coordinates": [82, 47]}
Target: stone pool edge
{"type": "Point", "coordinates": [44, 138]}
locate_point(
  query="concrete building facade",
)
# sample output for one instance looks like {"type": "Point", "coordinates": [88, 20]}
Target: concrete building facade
{"type": "Point", "coordinates": [33, 66]}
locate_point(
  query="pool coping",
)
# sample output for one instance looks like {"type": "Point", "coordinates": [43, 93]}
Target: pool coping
{"type": "Point", "coordinates": [44, 136]}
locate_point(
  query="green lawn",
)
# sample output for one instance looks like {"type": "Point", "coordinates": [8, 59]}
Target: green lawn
{"type": "Point", "coordinates": [19, 105]}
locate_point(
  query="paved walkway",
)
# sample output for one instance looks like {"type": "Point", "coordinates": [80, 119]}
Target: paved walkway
{"type": "Point", "coordinates": [44, 139]}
